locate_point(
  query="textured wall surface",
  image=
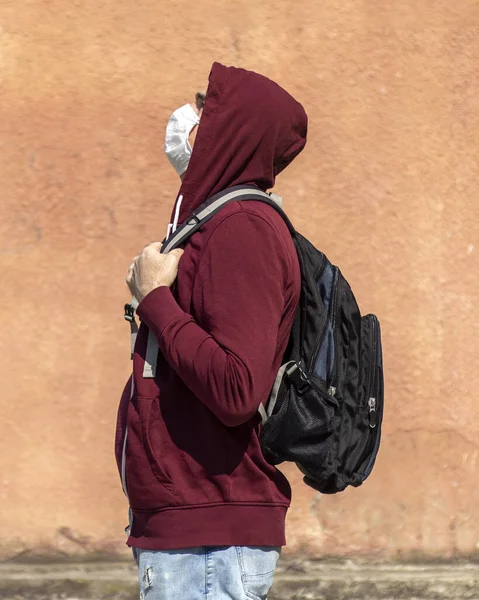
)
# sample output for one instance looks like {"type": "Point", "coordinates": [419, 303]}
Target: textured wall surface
{"type": "Point", "coordinates": [387, 187]}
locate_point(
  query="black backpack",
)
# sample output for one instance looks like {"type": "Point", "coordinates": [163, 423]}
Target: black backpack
{"type": "Point", "coordinates": [326, 405]}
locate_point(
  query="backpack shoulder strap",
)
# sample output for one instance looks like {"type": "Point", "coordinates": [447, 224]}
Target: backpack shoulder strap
{"type": "Point", "coordinates": [213, 205]}
{"type": "Point", "coordinates": [203, 214]}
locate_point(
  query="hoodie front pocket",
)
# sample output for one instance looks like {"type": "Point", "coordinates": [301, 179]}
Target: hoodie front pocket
{"type": "Point", "coordinates": [154, 436]}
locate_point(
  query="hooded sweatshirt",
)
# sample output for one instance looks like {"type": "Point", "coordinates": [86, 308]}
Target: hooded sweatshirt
{"type": "Point", "coordinates": [188, 439]}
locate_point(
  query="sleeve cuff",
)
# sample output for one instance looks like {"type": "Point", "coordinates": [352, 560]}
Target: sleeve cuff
{"type": "Point", "coordinates": [158, 309]}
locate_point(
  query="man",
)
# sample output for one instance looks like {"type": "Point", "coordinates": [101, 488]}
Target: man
{"type": "Point", "coordinates": [208, 510]}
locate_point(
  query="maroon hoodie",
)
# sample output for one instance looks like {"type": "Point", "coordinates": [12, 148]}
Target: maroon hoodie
{"type": "Point", "coordinates": [195, 474]}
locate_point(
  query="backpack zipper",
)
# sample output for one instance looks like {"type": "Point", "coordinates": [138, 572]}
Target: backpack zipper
{"type": "Point", "coordinates": [372, 405]}
{"type": "Point", "coordinates": [373, 421]}
{"type": "Point", "coordinates": [317, 275]}
{"type": "Point", "coordinates": [334, 298]}
{"type": "Point", "coordinates": [371, 400]}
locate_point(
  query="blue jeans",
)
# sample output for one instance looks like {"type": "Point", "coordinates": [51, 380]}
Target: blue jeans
{"type": "Point", "coordinates": [207, 573]}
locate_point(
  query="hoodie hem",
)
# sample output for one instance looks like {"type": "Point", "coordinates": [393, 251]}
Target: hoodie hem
{"type": "Point", "coordinates": [217, 525]}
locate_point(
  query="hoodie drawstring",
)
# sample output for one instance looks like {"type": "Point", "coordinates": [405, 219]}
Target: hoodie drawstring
{"type": "Point", "coordinates": [172, 227]}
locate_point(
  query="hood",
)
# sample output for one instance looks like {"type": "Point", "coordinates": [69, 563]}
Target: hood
{"type": "Point", "coordinates": [250, 130]}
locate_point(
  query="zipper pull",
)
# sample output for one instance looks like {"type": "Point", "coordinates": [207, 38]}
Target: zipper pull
{"type": "Point", "coordinates": [331, 391]}
{"type": "Point", "coordinates": [373, 416]}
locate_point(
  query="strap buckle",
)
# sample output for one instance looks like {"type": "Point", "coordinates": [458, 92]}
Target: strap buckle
{"type": "Point", "coordinates": [298, 378]}
{"type": "Point", "coordinates": [129, 314]}
{"type": "Point", "coordinates": [193, 219]}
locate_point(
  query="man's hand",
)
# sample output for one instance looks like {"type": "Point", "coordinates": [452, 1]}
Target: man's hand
{"type": "Point", "coordinates": [151, 269]}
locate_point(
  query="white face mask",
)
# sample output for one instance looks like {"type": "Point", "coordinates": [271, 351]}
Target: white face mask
{"type": "Point", "coordinates": [177, 146]}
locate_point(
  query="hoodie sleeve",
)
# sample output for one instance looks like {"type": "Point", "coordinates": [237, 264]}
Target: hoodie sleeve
{"type": "Point", "coordinates": [226, 354]}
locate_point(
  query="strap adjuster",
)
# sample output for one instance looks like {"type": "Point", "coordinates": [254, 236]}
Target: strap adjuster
{"type": "Point", "coordinates": [129, 313]}
{"type": "Point", "coordinates": [298, 378]}
{"type": "Point", "coordinates": [193, 219]}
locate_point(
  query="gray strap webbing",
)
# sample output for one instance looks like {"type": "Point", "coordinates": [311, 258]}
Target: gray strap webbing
{"type": "Point", "coordinates": [291, 367]}
{"type": "Point", "coordinates": [262, 412]}
{"type": "Point", "coordinates": [149, 368]}
{"type": "Point", "coordinates": [133, 334]}
{"type": "Point", "coordinates": [277, 199]}
{"type": "Point", "coordinates": [265, 414]}
{"type": "Point", "coordinates": [184, 231]}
